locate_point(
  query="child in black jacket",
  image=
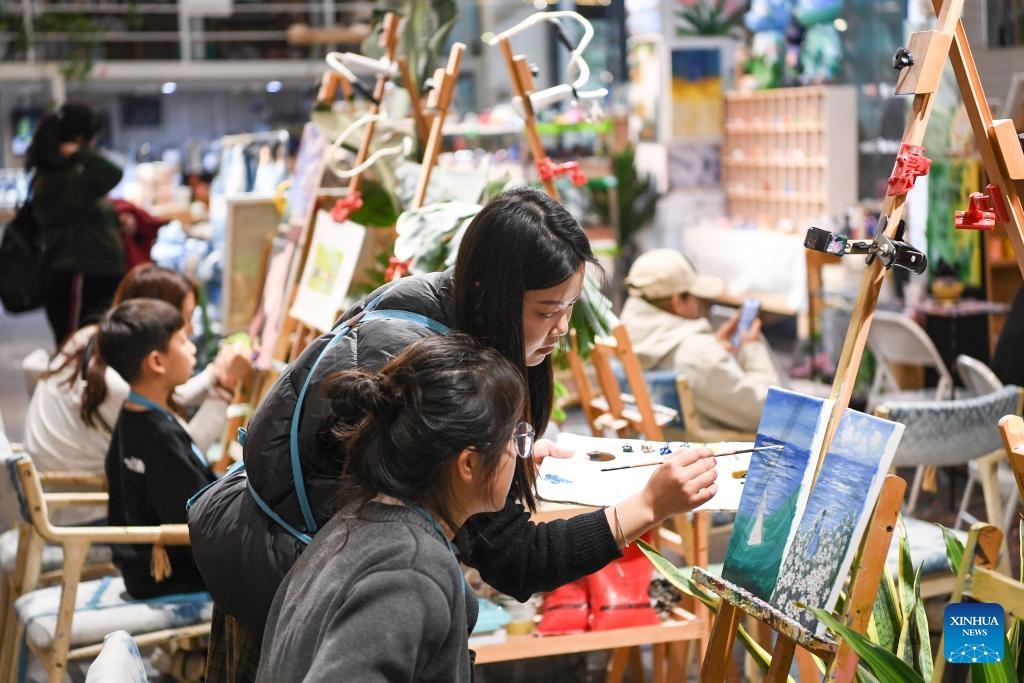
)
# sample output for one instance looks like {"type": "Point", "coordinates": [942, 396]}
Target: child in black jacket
{"type": "Point", "coordinates": [152, 465]}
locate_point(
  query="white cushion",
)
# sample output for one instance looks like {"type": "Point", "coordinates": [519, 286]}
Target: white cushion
{"type": "Point", "coordinates": [101, 607]}
{"type": "Point", "coordinates": [118, 662]}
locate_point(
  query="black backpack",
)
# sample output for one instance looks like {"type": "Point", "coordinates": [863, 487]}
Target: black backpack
{"type": "Point", "coordinates": [22, 263]}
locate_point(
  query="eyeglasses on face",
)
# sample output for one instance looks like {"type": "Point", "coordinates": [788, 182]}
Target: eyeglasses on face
{"type": "Point", "coordinates": [523, 438]}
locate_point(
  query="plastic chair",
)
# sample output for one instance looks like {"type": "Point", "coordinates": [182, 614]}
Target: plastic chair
{"type": "Point", "coordinates": [69, 621]}
{"type": "Point", "coordinates": [979, 379]}
{"type": "Point", "coordinates": [896, 339]}
{"type": "Point", "coordinates": [947, 433]}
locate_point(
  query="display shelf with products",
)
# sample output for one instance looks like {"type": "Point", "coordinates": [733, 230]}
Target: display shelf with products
{"type": "Point", "coordinates": [1002, 278]}
{"type": "Point", "coordinates": [790, 155]}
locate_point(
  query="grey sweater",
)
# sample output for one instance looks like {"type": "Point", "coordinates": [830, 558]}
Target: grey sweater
{"type": "Point", "coordinates": [377, 596]}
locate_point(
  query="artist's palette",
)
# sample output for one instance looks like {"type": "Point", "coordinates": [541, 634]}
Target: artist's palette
{"type": "Point", "coordinates": [582, 479]}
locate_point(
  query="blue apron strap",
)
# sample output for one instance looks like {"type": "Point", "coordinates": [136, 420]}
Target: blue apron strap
{"type": "Point", "coordinates": [368, 313]}
{"type": "Point", "coordinates": [240, 465]}
{"type": "Point", "coordinates": [306, 539]}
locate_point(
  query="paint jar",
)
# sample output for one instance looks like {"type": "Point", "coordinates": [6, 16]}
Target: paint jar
{"type": "Point", "coordinates": [522, 614]}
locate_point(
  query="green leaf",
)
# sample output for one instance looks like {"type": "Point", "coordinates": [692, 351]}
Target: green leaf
{"type": "Point", "coordinates": [885, 615]}
{"type": "Point", "coordinates": [879, 661]}
{"type": "Point", "coordinates": [680, 578]}
{"type": "Point", "coordinates": [1002, 672]}
{"type": "Point", "coordinates": [906, 576]}
{"type": "Point", "coordinates": [919, 629]}
{"type": "Point", "coordinates": [378, 208]}
{"type": "Point", "coordinates": [954, 549]}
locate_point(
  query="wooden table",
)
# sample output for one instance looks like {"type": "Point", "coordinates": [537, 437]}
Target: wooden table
{"type": "Point", "coordinates": [670, 639]}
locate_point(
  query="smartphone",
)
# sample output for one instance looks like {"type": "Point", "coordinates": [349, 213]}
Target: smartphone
{"type": "Point", "coordinates": [748, 314]}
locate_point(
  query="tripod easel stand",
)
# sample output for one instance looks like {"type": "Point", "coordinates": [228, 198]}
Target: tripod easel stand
{"type": "Point", "coordinates": [1003, 161]}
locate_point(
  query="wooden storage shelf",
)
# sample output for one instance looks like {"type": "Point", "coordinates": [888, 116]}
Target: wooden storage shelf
{"type": "Point", "coordinates": [774, 163]}
{"type": "Point", "coordinates": [770, 196]}
{"type": "Point", "coordinates": [790, 155]}
{"type": "Point", "coordinates": [761, 128]}
{"type": "Point", "coordinates": [683, 626]}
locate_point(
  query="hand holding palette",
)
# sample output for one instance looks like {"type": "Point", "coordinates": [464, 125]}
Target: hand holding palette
{"type": "Point", "coordinates": [581, 479]}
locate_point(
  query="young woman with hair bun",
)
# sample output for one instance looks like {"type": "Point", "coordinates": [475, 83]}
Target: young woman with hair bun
{"type": "Point", "coordinates": [519, 271]}
{"type": "Point", "coordinates": [434, 438]}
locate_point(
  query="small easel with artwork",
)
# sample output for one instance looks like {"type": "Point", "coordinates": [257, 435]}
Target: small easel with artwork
{"type": "Point", "coordinates": [528, 100]}
{"type": "Point", "coordinates": [298, 329]}
{"type": "Point", "coordinates": [920, 70]}
{"type": "Point", "coordinates": [282, 333]}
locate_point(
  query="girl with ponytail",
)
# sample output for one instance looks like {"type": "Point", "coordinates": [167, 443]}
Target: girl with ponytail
{"type": "Point", "coordinates": [434, 438]}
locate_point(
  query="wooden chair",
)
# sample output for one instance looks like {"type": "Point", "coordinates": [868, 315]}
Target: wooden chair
{"type": "Point", "coordinates": [694, 429]}
{"type": "Point", "coordinates": [1012, 429]}
{"type": "Point", "coordinates": [632, 411]}
{"type": "Point", "coordinates": [948, 433]}
{"type": "Point", "coordinates": [69, 621]}
{"type": "Point", "coordinates": [979, 581]}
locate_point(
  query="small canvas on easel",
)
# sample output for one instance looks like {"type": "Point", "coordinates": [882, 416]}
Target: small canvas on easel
{"type": "Point", "coordinates": [309, 167]}
{"type": "Point", "coordinates": [776, 488]}
{"type": "Point", "coordinates": [836, 516]}
{"type": "Point", "coordinates": [331, 263]}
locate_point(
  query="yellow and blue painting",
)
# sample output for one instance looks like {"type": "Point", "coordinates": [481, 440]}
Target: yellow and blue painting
{"type": "Point", "coordinates": [776, 488]}
{"type": "Point", "coordinates": [836, 516]}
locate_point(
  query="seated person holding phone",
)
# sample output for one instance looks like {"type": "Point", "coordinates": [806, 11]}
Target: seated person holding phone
{"type": "Point", "coordinates": [729, 369]}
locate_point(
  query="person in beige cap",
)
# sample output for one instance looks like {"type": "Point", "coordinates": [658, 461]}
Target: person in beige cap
{"type": "Point", "coordinates": [664, 315]}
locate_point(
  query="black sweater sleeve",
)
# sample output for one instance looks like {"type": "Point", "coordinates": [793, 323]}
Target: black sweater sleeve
{"type": "Point", "coordinates": [520, 557]}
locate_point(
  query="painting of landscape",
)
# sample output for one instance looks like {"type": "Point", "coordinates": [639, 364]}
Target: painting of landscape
{"type": "Point", "coordinates": [776, 488]}
{"type": "Point", "coordinates": [836, 515]}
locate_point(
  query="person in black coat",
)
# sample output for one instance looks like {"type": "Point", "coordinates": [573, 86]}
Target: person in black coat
{"type": "Point", "coordinates": [78, 224]}
{"type": "Point", "coordinates": [518, 273]}
{"type": "Point", "coordinates": [1008, 359]}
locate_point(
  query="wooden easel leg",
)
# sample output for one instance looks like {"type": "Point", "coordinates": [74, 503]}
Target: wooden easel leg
{"type": "Point", "coordinates": [617, 665]}
{"type": "Point", "coordinates": [782, 660]}
{"type": "Point", "coordinates": [636, 665]}
{"type": "Point", "coordinates": [806, 666]}
{"type": "Point", "coordinates": [719, 651]}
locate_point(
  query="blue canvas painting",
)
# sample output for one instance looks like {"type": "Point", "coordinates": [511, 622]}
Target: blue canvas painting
{"type": "Point", "coordinates": [776, 488]}
{"type": "Point", "coordinates": [836, 515]}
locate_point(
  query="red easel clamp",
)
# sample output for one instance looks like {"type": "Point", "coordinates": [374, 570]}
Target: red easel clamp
{"type": "Point", "coordinates": [346, 205]}
{"type": "Point", "coordinates": [983, 210]}
{"type": "Point", "coordinates": [548, 170]}
{"type": "Point", "coordinates": [910, 163]}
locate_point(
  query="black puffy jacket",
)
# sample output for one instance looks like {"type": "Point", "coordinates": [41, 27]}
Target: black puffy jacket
{"type": "Point", "coordinates": [243, 554]}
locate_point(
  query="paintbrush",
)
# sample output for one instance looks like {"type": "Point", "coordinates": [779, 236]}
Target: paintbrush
{"type": "Point", "coordinates": [773, 447]}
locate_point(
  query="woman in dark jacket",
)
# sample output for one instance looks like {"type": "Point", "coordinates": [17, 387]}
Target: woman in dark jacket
{"type": "Point", "coordinates": [519, 271]}
{"type": "Point", "coordinates": [79, 226]}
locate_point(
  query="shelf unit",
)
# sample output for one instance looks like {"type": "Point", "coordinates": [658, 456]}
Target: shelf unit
{"type": "Point", "coordinates": [790, 155]}
{"type": "Point", "coordinates": [1002, 278]}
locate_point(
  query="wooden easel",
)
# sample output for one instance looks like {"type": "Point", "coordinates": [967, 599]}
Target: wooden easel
{"type": "Point", "coordinates": [433, 116]}
{"type": "Point", "coordinates": [295, 335]}
{"type": "Point", "coordinates": [1003, 161]}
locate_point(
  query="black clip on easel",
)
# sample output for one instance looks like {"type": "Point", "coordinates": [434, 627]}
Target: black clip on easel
{"type": "Point", "coordinates": [892, 252]}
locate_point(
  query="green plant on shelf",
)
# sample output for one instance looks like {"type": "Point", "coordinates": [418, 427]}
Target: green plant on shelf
{"type": "Point", "coordinates": [707, 18]}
